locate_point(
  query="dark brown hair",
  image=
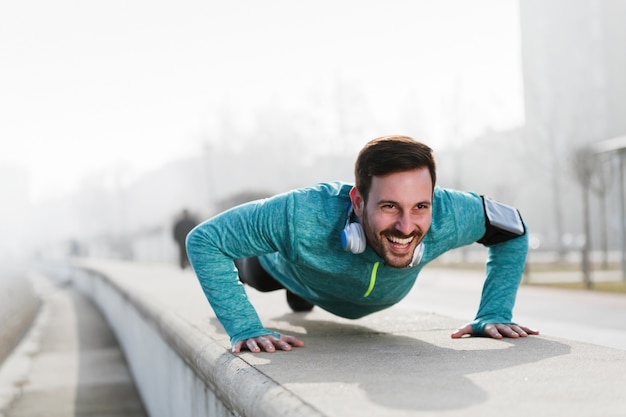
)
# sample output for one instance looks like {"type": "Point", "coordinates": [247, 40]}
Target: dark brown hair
{"type": "Point", "coordinates": [388, 155]}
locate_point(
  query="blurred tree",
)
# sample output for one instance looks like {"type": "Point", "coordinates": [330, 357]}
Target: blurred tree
{"type": "Point", "coordinates": [583, 161]}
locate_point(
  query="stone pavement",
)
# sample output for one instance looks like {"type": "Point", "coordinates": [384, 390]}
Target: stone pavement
{"type": "Point", "coordinates": [69, 364]}
{"type": "Point", "coordinates": [18, 306]}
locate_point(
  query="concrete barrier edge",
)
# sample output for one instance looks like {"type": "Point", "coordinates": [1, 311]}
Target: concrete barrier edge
{"type": "Point", "coordinates": [179, 370]}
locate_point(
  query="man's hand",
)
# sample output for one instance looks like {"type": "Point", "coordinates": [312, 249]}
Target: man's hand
{"type": "Point", "coordinates": [496, 331]}
{"type": "Point", "coordinates": [267, 343]}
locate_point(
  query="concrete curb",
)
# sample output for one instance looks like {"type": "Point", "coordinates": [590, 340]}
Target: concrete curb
{"type": "Point", "coordinates": [205, 380]}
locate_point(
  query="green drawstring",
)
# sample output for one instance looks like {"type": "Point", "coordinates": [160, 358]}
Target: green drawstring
{"type": "Point", "coordinates": [372, 280]}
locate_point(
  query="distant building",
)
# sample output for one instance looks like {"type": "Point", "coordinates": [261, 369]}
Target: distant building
{"type": "Point", "coordinates": [574, 61]}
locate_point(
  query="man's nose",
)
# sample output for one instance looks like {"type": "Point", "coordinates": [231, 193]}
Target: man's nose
{"type": "Point", "coordinates": [405, 224]}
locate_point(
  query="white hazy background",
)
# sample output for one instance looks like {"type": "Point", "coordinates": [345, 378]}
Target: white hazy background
{"type": "Point", "coordinates": [87, 86]}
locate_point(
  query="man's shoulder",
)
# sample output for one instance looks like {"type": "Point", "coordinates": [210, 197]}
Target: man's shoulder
{"type": "Point", "coordinates": [321, 199]}
{"type": "Point", "coordinates": [323, 194]}
{"type": "Point", "coordinates": [454, 207]}
{"type": "Point", "coordinates": [442, 195]}
{"type": "Point", "coordinates": [322, 203]}
{"type": "Point", "coordinates": [326, 189]}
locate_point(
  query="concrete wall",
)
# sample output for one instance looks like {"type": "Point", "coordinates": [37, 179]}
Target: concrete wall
{"type": "Point", "coordinates": [179, 371]}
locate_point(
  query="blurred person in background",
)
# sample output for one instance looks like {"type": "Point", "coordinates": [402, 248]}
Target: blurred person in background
{"type": "Point", "coordinates": [182, 227]}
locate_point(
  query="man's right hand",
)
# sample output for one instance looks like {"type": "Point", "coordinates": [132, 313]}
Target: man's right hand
{"type": "Point", "coordinates": [269, 343]}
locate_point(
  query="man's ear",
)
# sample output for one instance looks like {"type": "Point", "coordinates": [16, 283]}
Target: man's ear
{"type": "Point", "coordinates": [357, 201]}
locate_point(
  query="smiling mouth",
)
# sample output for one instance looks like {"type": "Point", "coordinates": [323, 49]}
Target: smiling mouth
{"type": "Point", "coordinates": [400, 241]}
{"type": "Point", "coordinates": [400, 246]}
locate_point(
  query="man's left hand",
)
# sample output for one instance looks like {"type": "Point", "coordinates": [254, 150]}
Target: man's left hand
{"type": "Point", "coordinates": [496, 331]}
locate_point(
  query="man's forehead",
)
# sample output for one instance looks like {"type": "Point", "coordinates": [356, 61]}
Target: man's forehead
{"type": "Point", "coordinates": [411, 196]}
{"type": "Point", "coordinates": [416, 178]}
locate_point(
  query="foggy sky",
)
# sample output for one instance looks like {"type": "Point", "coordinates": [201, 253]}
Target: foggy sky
{"type": "Point", "coordinates": [113, 89]}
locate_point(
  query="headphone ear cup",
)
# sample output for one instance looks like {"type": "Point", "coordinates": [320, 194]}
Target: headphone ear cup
{"type": "Point", "coordinates": [359, 238]}
{"type": "Point", "coordinates": [353, 238]}
{"type": "Point", "coordinates": [347, 238]}
{"type": "Point", "coordinates": [417, 254]}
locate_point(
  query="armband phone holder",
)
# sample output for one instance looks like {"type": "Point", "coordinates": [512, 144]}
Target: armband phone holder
{"type": "Point", "coordinates": [502, 222]}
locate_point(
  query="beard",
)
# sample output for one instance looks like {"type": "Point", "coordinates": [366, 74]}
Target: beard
{"type": "Point", "coordinates": [380, 243]}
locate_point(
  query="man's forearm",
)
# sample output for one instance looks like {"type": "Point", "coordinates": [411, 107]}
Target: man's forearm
{"type": "Point", "coordinates": [219, 281]}
{"type": "Point", "coordinates": [504, 269]}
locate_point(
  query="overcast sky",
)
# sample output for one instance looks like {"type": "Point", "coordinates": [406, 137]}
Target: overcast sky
{"type": "Point", "coordinates": [88, 86]}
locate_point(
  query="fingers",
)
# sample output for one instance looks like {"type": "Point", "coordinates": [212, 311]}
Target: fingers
{"type": "Point", "coordinates": [530, 331]}
{"type": "Point", "coordinates": [491, 330]}
{"type": "Point", "coordinates": [237, 347]}
{"type": "Point", "coordinates": [253, 346]}
{"type": "Point", "coordinates": [267, 344]}
{"type": "Point", "coordinates": [496, 331]}
{"type": "Point", "coordinates": [460, 332]}
{"type": "Point", "coordinates": [291, 340]}
{"type": "Point", "coordinates": [517, 330]}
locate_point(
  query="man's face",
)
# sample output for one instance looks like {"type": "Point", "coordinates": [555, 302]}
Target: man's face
{"type": "Point", "coordinates": [397, 215]}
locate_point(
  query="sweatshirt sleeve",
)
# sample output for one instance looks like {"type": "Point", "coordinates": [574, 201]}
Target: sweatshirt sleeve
{"type": "Point", "coordinates": [252, 229]}
{"type": "Point", "coordinates": [504, 269]}
{"type": "Point", "coordinates": [505, 261]}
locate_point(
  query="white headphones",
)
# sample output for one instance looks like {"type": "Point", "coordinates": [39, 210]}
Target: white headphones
{"type": "Point", "coordinates": [353, 240]}
{"type": "Point", "coordinates": [353, 236]}
{"type": "Point", "coordinates": [417, 255]}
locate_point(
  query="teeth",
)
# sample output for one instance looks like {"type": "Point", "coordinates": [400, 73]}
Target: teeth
{"type": "Point", "coordinates": [400, 241]}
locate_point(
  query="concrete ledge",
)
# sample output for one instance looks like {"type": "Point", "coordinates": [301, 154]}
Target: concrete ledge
{"type": "Point", "coordinates": [394, 363]}
{"type": "Point", "coordinates": [177, 368]}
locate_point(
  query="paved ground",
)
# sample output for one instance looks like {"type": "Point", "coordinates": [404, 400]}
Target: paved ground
{"type": "Point", "coordinates": [586, 316]}
{"type": "Point", "coordinates": [401, 361]}
{"type": "Point", "coordinates": [69, 365]}
{"type": "Point", "coordinates": [18, 307]}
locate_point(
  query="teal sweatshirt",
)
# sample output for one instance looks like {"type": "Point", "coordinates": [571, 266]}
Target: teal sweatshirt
{"type": "Point", "coordinates": [296, 236]}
